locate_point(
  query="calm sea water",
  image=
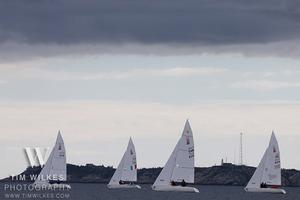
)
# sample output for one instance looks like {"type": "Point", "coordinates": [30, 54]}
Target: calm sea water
{"type": "Point", "coordinates": [100, 192]}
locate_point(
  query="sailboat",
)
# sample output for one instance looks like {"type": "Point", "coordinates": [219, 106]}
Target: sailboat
{"type": "Point", "coordinates": [179, 169]}
{"type": "Point", "coordinates": [267, 177]}
{"type": "Point", "coordinates": [126, 173]}
{"type": "Point", "coordinates": [54, 172]}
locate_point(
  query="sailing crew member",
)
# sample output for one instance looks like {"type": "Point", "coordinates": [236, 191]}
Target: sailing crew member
{"type": "Point", "coordinates": [173, 183]}
{"type": "Point", "coordinates": [183, 183]}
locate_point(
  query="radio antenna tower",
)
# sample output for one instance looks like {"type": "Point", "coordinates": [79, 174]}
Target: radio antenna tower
{"type": "Point", "coordinates": [241, 149]}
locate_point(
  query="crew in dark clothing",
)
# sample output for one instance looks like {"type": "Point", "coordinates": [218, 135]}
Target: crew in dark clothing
{"type": "Point", "coordinates": [263, 185]}
{"type": "Point", "coordinates": [121, 182]}
{"type": "Point", "coordinates": [183, 183]}
{"type": "Point", "coordinates": [173, 183]}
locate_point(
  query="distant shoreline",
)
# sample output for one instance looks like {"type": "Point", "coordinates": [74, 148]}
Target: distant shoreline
{"type": "Point", "coordinates": [222, 175]}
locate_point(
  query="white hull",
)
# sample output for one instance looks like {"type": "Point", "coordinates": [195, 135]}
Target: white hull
{"type": "Point", "coordinates": [52, 186]}
{"type": "Point", "coordinates": [169, 188]}
{"type": "Point", "coordinates": [124, 186]}
{"type": "Point", "coordinates": [266, 190]}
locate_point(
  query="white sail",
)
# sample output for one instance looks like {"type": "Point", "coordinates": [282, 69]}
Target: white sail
{"type": "Point", "coordinates": [272, 172]}
{"type": "Point", "coordinates": [180, 165]}
{"type": "Point", "coordinates": [127, 168]}
{"type": "Point", "coordinates": [269, 169]}
{"type": "Point", "coordinates": [255, 181]}
{"type": "Point", "coordinates": [55, 168]}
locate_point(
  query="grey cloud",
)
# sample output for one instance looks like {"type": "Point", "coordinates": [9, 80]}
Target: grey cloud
{"type": "Point", "coordinates": [188, 23]}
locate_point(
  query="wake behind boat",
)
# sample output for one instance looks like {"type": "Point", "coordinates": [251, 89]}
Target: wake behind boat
{"type": "Point", "coordinates": [179, 169]}
{"type": "Point", "coordinates": [267, 177]}
{"type": "Point", "coordinates": [54, 173]}
{"type": "Point", "coordinates": [125, 175]}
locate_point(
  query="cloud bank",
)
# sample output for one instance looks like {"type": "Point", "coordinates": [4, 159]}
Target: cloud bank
{"type": "Point", "coordinates": [93, 24]}
{"type": "Point", "coordinates": [194, 22]}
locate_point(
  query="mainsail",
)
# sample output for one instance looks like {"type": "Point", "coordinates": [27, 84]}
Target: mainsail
{"type": "Point", "coordinates": [55, 168]}
{"type": "Point", "coordinates": [127, 168]}
{"type": "Point", "coordinates": [180, 165]}
{"type": "Point", "coordinates": [269, 170]}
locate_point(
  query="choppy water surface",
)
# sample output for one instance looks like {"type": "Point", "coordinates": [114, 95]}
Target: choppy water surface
{"type": "Point", "coordinates": [100, 192]}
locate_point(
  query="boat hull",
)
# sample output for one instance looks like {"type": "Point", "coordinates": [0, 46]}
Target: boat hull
{"type": "Point", "coordinates": [169, 188]}
{"type": "Point", "coordinates": [266, 190]}
{"type": "Point", "coordinates": [124, 186]}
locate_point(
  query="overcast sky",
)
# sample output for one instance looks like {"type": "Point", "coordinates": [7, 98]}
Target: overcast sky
{"type": "Point", "coordinates": [102, 71]}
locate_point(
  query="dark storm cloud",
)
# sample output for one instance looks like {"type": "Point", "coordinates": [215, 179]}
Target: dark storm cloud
{"type": "Point", "coordinates": [190, 23]}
